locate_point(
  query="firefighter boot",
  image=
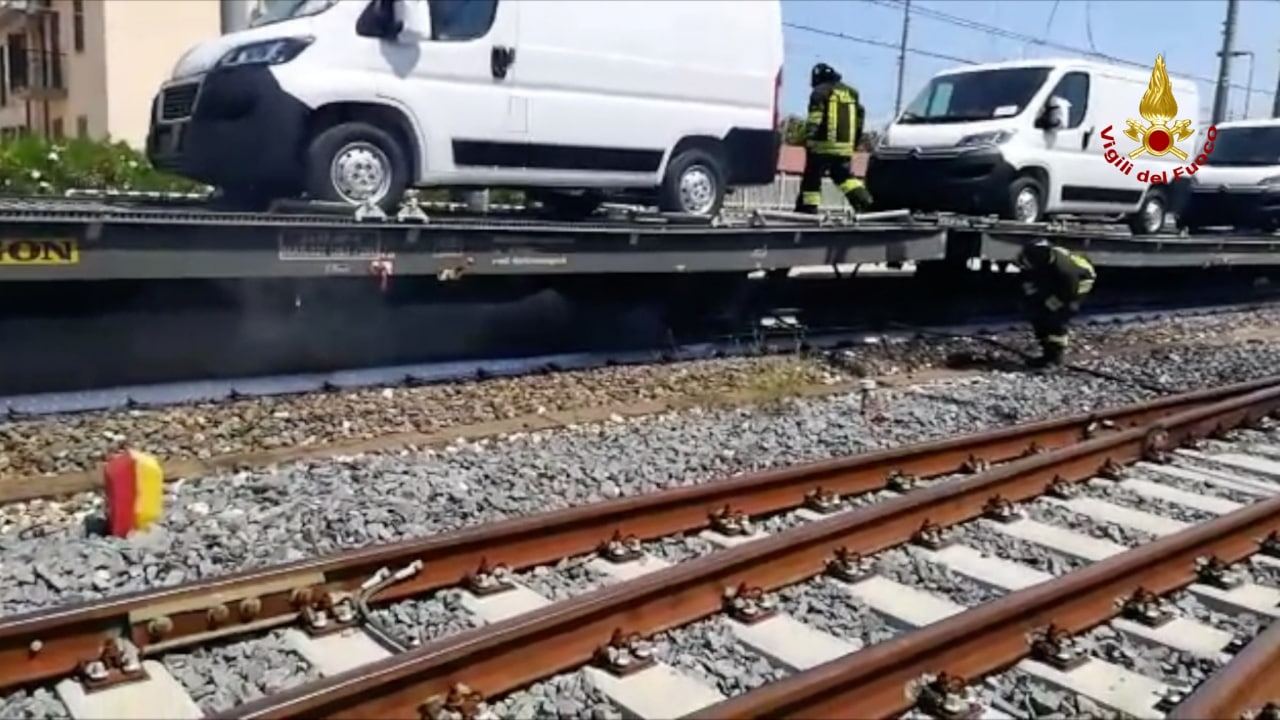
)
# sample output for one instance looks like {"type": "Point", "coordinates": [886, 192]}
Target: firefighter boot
{"type": "Point", "coordinates": [807, 201]}
{"type": "Point", "coordinates": [860, 199]}
{"type": "Point", "coordinates": [1050, 356]}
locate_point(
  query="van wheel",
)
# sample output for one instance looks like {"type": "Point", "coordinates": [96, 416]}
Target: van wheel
{"type": "Point", "coordinates": [1026, 200]}
{"type": "Point", "coordinates": [694, 184]}
{"type": "Point", "coordinates": [356, 161]}
{"type": "Point", "coordinates": [566, 205]}
{"type": "Point", "coordinates": [1151, 215]}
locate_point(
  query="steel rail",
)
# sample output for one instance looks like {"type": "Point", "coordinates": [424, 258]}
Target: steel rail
{"type": "Point", "coordinates": [563, 636]}
{"type": "Point", "coordinates": [873, 683]}
{"type": "Point", "coordinates": [163, 619]}
{"type": "Point", "coordinates": [1248, 683]}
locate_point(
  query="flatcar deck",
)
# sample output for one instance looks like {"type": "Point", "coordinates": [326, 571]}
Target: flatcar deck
{"type": "Point", "coordinates": [78, 238]}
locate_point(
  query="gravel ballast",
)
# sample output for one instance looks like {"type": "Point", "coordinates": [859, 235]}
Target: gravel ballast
{"type": "Point", "coordinates": [260, 517]}
{"type": "Point", "coordinates": [219, 677]}
{"type": "Point", "coordinates": [62, 444]}
{"type": "Point", "coordinates": [254, 518]}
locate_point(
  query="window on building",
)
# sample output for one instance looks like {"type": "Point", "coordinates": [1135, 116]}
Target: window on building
{"type": "Point", "coordinates": [82, 126]}
{"type": "Point", "coordinates": [77, 25]}
{"type": "Point", "coordinates": [56, 129]}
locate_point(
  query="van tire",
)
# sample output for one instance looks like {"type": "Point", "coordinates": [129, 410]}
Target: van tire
{"type": "Point", "coordinates": [361, 139]}
{"type": "Point", "coordinates": [704, 174]}
{"type": "Point", "coordinates": [1140, 223]}
{"type": "Point", "coordinates": [1018, 193]}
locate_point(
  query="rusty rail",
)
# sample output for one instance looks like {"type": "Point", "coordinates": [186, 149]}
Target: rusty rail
{"type": "Point", "coordinates": [1249, 683]}
{"type": "Point", "coordinates": [163, 619]}
{"type": "Point", "coordinates": [513, 653]}
{"type": "Point", "coordinates": [993, 637]}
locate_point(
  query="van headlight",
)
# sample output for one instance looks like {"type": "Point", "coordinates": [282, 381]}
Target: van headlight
{"type": "Point", "coordinates": [266, 52]}
{"type": "Point", "coordinates": [994, 137]}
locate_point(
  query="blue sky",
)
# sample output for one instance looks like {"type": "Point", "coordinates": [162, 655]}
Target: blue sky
{"type": "Point", "coordinates": [1190, 38]}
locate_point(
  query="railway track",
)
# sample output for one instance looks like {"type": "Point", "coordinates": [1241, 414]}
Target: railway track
{"type": "Point", "coordinates": [838, 517]}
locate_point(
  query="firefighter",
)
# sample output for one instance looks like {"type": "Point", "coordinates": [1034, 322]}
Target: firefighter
{"type": "Point", "coordinates": [832, 130]}
{"type": "Point", "coordinates": [1054, 281]}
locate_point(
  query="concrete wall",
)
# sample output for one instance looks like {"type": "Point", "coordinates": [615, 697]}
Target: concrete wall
{"type": "Point", "coordinates": [143, 41]}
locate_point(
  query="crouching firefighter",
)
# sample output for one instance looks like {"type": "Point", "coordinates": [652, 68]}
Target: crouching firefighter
{"type": "Point", "coordinates": [1054, 282]}
{"type": "Point", "coordinates": [832, 131]}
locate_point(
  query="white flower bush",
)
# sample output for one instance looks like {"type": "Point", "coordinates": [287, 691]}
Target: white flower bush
{"type": "Point", "coordinates": [33, 165]}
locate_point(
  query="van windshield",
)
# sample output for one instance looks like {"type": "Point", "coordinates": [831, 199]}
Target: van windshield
{"type": "Point", "coordinates": [266, 12]}
{"type": "Point", "coordinates": [1246, 146]}
{"type": "Point", "coordinates": [978, 95]}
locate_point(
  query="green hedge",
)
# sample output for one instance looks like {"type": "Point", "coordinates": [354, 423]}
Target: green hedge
{"type": "Point", "coordinates": [36, 165]}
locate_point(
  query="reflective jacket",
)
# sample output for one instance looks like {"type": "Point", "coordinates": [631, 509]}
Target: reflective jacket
{"type": "Point", "coordinates": [1066, 277]}
{"type": "Point", "coordinates": [834, 125]}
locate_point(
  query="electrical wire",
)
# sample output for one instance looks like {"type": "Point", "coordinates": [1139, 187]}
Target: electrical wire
{"type": "Point", "coordinates": [1048, 24]}
{"type": "Point", "coordinates": [877, 43]}
{"type": "Point", "coordinates": [1088, 24]}
{"type": "Point", "coordinates": [1007, 34]}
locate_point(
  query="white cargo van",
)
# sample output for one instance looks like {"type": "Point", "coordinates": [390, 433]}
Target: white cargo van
{"type": "Point", "coordinates": [1022, 140]}
{"type": "Point", "coordinates": [353, 99]}
{"type": "Point", "coordinates": [1239, 186]}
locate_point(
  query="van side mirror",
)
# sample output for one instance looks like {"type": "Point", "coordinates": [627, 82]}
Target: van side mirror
{"type": "Point", "coordinates": [1054, 114]}
{"type": "Point", "coordinates": [379, 20]}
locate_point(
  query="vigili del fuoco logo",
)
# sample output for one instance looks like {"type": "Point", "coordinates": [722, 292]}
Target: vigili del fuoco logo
{"type": "Point", "coordinates": [1158, 136]}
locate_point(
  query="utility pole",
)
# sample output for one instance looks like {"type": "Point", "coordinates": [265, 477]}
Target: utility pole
{"type": "Point", "coordinates": [1248, 93]}
{"type": "Point", "coordinates": [1275, 104]}
{"type": "Point", "coordinates": [1224, 62]}
{"type": "Point", "coordinates": [234, 14]}
{"type": "Point", "coordinates": [902, 56]}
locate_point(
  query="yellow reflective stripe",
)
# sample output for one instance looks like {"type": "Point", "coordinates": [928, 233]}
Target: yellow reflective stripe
{"type": "Point", "coordinates": [1060, 340]}
{"type": "Point", "coordinates": [822, 147]}
{"type": "Point", "coordinates": [1053, 303]}
{"type": "Point", "coordinates": [811, 198]}
{"type": "Point", "coordinates": [833, 116]}
{"type": "Point", "coordinates": [850, 185]}
{"type": "Point", "coordinates": [1085, 286]}
{"type": "Point", "coordinates": [1082, 262]}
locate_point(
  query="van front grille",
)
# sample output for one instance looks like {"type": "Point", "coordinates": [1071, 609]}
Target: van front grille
{"type": "Point", "coordinates": [177, 102]}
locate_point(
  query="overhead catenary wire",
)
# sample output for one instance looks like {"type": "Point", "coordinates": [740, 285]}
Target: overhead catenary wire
{"type": "Point", "coordinates": [1014, 35]}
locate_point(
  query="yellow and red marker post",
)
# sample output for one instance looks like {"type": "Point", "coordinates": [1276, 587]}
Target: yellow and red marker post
{"type": "Point", "coordinates": [133, 482]}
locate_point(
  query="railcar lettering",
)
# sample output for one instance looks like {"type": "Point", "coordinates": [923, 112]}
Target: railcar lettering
{"type": "Point", "coordinates": [330, 246]}
{"type": "Point", "coordinates": [39, 252]}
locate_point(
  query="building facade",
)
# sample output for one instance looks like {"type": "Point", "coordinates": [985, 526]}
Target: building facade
{"type": "Point", "coordinates": [89, 68]}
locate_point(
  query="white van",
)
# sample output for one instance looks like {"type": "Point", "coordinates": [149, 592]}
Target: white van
{"type": "Point", "coordinates": [1239, 186]}
{"type": "Point", "coordinates": [354, 99]}
{"type": "Point", "coordinates": [982, 140]}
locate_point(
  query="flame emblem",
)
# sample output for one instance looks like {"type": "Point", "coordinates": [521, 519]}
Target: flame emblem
{"type": "Point", "coordinates": [1158, 107]}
